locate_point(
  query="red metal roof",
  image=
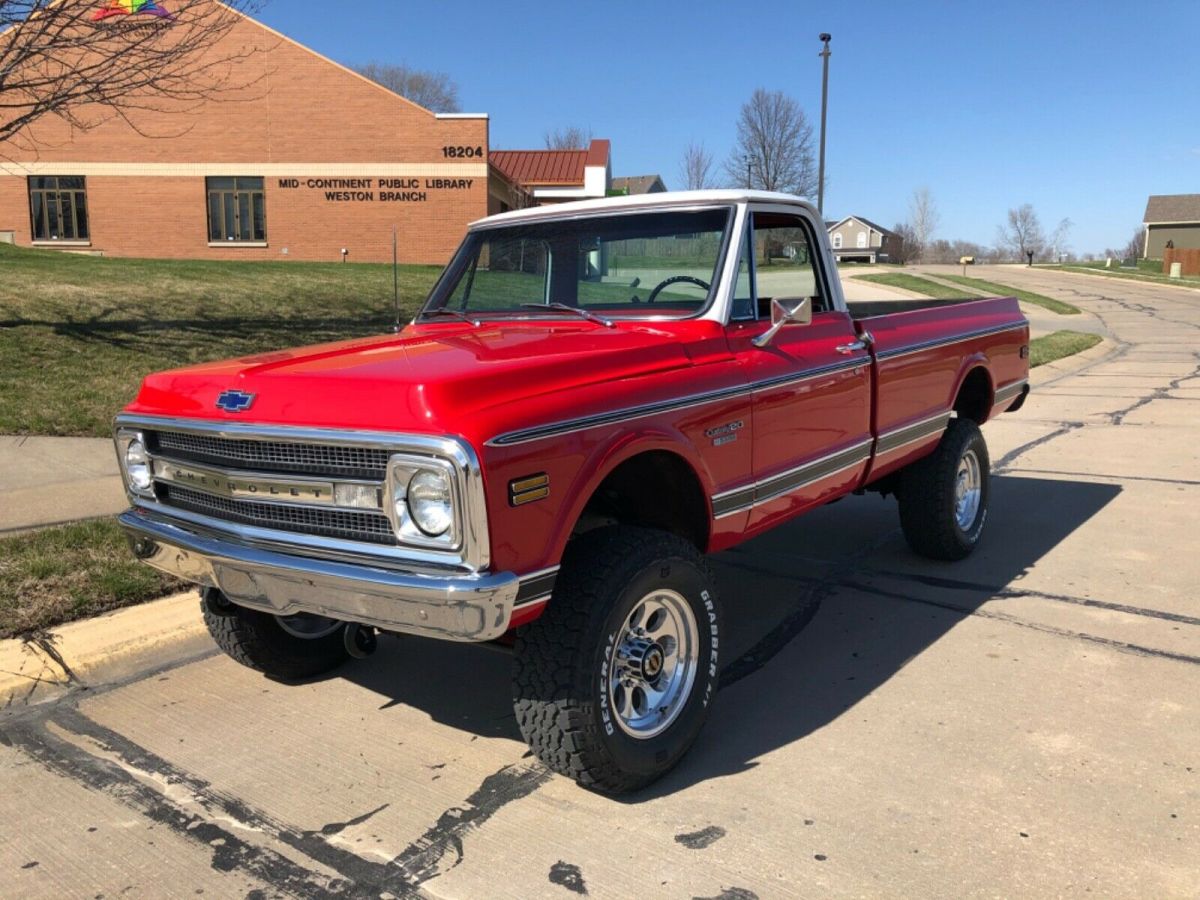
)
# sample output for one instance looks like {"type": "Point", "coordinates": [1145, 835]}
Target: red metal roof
{"type": "Point", "coordinates": [549, 166]}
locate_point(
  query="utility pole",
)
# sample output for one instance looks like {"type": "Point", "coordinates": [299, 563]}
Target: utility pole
{"type": "Point", "coordinates": [825, 37]}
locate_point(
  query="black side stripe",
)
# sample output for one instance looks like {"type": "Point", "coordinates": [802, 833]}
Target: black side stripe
{"type": "Point", "coordinates": [567, 426]}
{"type": "Point", "coordinates": [1011, 390]}
{"type": "Point", "coordinates": [537, 587]}
{"type": "Point", "coordinates": [943, 342]}
{"type": "Point", "coordinates": [910, 434]}
{"type": "Point", "coordinates": [792, 480]}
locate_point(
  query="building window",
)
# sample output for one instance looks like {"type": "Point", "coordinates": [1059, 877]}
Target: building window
{"type": "Point", "coordinates": [837, 240]}
{"type": "Point", "coordinates": [862, 239]}
{"type": "Point", "coordinates": [58, 208]}
{"type": "Point", "coordinates": [237, 210]}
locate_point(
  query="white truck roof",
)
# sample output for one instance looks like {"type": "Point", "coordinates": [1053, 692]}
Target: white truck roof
{"type": "Point", "coordinates": [642, 201]}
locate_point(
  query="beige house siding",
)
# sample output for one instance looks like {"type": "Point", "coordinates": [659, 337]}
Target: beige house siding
{"type": "Point", "coordinates": [849, 232]}
{"type": "Point", "coordinates": [1186, 236]}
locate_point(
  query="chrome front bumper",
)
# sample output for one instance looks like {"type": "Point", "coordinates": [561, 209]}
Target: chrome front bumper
{"type": "Point", "coordinates": [451, 607]}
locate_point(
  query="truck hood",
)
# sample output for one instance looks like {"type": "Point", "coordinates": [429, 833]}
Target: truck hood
{"type": "Point", "coordinates": [428, 378]}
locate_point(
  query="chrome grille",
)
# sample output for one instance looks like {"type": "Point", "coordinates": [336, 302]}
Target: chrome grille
{"type": "Point", "coordinates": [346, 524]}
{"type": "Point", "coordinates": [325, 460]}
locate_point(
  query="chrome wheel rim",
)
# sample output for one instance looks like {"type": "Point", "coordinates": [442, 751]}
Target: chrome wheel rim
{"type": "Point", "coordinates": [308, 627]}
{"type": "Point", "coordinates": [968, 490]}
{"type": "Point", "coordinates": [654, 664]}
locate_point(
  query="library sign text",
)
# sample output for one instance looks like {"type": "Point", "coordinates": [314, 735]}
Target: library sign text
{"type": "Point", "coordinates": [376, 190]}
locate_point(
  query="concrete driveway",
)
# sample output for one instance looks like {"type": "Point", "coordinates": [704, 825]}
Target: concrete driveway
{"type": "Point", "coordinates": [1024, 723]}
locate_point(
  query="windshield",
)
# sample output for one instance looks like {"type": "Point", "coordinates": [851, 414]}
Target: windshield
{"type": "Point", "coordinates": [632, 264]}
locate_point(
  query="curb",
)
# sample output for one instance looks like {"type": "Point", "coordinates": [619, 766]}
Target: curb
{"type": "Point", "coordinates": [1128, 280]}
{"type": "Point", "coordinates": [92, 652]}
{"type": "Point", "coordinates": [1069, 365]}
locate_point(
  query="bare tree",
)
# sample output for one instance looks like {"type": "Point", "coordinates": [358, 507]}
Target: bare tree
{"type": "Point", "coordinates": [923, 216]}
{"type": "Point", "coordinates": [774, 150]}
{"type": "Point", "coordinates": [695, 168]}
{"type": "Point", "coordinates": [87, 61]}
{"type": "Point", "coordinates": [1023, 233]}
{"type": "Point", "coordinates": [1058, 244]}
{"type": "Point", "coordinates": [1136, 248]}
{"type": "Point", "coordinates": [573, 137]}
{"type": "Point", "coordinates": [435, 91]}
{"type": "Point", "coordinates": [905, 250]}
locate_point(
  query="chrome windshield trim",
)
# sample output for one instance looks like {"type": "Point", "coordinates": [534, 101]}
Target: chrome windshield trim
{"type": "Point", "coordinates": [628, 413]}
{"type": "Point", "coordinates": [474, 555]}
{"type": "Point", "coordinates": [461, 259]}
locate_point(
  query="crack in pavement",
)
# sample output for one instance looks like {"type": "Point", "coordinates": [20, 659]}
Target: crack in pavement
{"type": "Point", "coordinates": [227, 826]}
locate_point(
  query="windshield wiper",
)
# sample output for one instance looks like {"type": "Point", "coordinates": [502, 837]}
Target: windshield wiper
{"type": "Point", "coordinates": [591, 316]}
{"type": "Point", "coordinates": [444, 311]}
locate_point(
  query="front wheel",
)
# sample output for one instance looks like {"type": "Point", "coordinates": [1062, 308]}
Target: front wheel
{"type": "Point", "coordinates": [944, 496]}
{"type": "Point", "coordinates": [285, 647]}
{"type": "Point", "coordinates": [613, 683]}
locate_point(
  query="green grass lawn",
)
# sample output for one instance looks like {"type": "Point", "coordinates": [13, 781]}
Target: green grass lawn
{"type": "Point", "coordinates": [78, 333]}
{"type": "Point", "coordinates": [1147, 270]}
{"type": "Point", "coordinates": [1003, 290]}
{"type": "Point", "coordinates": [70, 572]}
{"type": "Point", "coordinates": [915, 284]}
{"type": "Point", "coordinates": [1059, 344]}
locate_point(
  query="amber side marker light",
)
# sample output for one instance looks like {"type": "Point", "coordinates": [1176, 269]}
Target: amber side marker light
{"type": "Point", "coordinates": [528, 489]}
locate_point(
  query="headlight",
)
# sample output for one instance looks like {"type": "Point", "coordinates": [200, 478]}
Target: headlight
{"type": "Point", "coordinates": [430, 501]}
{"type": "Point", "coordinates": [137, 466]}
{"type": "Point", "coordinates": [424, 502]}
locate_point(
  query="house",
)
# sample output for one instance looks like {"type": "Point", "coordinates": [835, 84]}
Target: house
{"type": "Point", "coordinates": [556, 176]}
{"type": "Point", "coordinates": [638, 184]}
{"type": "Point", "coordinates": [1174, 218]}
{"type": "Point", "coordinates": [855, 239]}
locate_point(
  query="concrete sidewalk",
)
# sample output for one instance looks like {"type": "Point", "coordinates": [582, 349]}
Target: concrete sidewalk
{"type": "Point", "coordinates": [50, 480]}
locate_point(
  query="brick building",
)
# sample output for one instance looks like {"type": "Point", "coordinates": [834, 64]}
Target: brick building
{"type": "Point", "coordinates": [305, 159]}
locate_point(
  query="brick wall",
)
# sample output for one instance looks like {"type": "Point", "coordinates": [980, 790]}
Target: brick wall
{"type": "Point", "coordinates": [301, 117]}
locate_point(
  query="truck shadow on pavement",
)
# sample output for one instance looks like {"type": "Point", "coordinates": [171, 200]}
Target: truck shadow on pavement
{"type": "Point", "coordinates": [818, 614]}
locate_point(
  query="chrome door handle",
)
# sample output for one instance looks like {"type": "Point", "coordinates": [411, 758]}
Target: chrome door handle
{"type": "Point", "coordinates": [865, 342]}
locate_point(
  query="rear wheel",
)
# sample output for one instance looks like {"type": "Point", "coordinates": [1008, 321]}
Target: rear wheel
{"type": "Point", "coordinates": [944, 496]}
{"type": "Point", "coordinates": [613, 683]}
{"type": "Point", "coordinates": [286, 647]}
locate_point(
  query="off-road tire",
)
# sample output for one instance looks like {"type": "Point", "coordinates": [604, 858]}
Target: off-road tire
{"type": "Point", "coordinates": [927, 495]}
{"type": "Point", "coordinates": [560, 674]}
{"type": "Point", "coordinates": [257, 641]}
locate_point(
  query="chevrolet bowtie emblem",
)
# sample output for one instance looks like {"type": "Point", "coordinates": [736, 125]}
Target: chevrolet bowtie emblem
{"type": "Point", "coordinates": [235, 401]}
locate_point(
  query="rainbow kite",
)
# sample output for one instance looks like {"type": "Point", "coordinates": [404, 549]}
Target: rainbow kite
{"type": "Point", "coordinates": [129, 8]}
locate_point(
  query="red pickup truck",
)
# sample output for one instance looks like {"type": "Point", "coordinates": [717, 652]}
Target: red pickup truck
{"type": "Point", "coordinates": [593, 397]}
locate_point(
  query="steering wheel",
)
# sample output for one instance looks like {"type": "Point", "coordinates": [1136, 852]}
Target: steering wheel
{"type": "Point", "coordinates": [675, 279]}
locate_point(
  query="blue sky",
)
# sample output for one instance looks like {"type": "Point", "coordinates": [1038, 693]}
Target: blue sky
{"type": "Point", "coordinates": [1080, 108]}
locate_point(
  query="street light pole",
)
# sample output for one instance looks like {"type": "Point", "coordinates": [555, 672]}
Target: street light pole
{"type": "Point", "coordinates": [825, 37]}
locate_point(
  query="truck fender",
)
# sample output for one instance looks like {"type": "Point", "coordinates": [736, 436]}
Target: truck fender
{"type": "Point", "coordinates": [606, 457]}
{"type": "Point", "coordinates": [981, 407]}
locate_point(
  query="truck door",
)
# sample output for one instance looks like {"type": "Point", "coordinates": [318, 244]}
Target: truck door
{"type": "Point", "coordinates": [811, 384]}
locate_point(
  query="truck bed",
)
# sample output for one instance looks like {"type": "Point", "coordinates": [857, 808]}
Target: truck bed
{"type": "Point", "coordinates": [868, 309]}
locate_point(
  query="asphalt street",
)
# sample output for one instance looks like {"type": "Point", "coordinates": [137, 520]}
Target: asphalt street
{"type": "Point", "coordinates": [1023, 723]}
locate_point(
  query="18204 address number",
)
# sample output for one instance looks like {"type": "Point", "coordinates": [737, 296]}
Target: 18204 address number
{"type": "Point", "coordinates": [462, 152]}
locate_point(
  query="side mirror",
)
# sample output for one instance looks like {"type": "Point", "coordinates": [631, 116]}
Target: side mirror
{"type": "Point", "coordinates": [786, 311]}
